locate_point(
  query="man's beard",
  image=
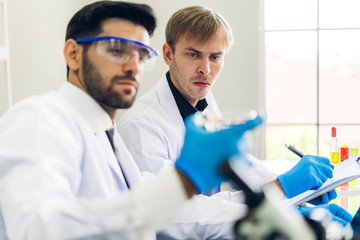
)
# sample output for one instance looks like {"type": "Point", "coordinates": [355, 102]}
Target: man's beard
{"type": "Point", "coordinates": [95, 86]}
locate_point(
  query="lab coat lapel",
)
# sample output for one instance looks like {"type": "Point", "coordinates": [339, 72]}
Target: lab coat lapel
{"type": "Point", "coordinates": [111, 159]}
{"type": "Point", "coordinates": [129, 167]}
{"type": "Point", "coordinates": [168, 104]}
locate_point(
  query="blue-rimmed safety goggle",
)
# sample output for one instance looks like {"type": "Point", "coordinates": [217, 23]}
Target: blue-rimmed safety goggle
{"type": "Point", "coordinates": [121, 50]}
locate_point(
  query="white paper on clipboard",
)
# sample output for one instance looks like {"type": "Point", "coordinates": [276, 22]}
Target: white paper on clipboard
{"type": "Point", "coordinates": [343, 172]}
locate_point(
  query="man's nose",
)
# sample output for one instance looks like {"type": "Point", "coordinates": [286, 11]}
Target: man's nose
{"type": "Point", "coordinates": [133, 65]}
{"type": "Point", "coordinates": [204, 67]}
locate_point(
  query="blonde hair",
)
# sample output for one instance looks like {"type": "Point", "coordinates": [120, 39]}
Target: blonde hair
{"type": "Point", "coordinates": [199, 23]}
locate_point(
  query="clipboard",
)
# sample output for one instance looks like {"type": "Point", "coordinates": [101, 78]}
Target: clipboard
{"type": "Point", "coordinates": [344, 171]}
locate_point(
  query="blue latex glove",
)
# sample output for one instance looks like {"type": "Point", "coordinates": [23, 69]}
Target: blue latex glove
{"type": "Point", "coordinates": [337, 213]}
{"type": "Point", "coordinates": [309, 173]}
{"type": "Point", "coordinates": [325, 198]}
{"type": "Point", "coordinates": [204, 152]}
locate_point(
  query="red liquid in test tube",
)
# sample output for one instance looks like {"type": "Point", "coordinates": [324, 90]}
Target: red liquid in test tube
{"type": "Point", "coordinates": [344, 154]}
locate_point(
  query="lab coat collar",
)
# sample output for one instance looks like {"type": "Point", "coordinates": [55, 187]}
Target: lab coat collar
{"type": "Point", "coordinates": [94, 114]}
{"type": "Point", "coordinates": [167, 101]}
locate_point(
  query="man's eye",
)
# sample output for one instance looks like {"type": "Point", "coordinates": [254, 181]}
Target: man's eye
{"type": "Point", "coordinates": [144, 54]}
{"type": "Point", "coordinates": [215, 58]}
{"type": "Point", "coordinates": [193, 55]}
{"type": "Point", "coordinates": [116, 52]}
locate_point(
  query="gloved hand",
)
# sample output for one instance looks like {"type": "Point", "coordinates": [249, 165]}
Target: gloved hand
{"type": "Point", "coordinates": [204, 152]}
{"type": "Point", "coordinates": [309, 173]}
{"type": "Point", "coordinates": [325, 198]}
{"type": "Point", "coordinates": [337, 213]}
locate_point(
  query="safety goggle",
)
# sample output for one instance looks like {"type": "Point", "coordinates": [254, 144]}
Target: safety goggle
{"type": "Point", "coordinates": [121, 50]}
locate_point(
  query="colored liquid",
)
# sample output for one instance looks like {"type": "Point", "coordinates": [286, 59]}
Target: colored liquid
{"type": "Point", "coordinates": [344, 154]}
{"type": "Point", "coordinates": [344, 203]}
{"type": "Point", "coordinates": [334, 157]}
{"type": "Point", "coordinates": [344, 186]}
{"type": "Point", "coordinates": [354, 184]}
{"type": "Point", "coordinates": [354, 151]}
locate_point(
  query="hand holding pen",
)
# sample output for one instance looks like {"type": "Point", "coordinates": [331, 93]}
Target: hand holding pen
{"type": "Point", "coordinates": [324, 198]}
{"type": "Point", "coordinates": [308, 174]}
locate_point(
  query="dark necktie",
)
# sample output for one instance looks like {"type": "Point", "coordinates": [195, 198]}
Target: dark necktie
{"type": "Point", "coordinates": [110, 135]}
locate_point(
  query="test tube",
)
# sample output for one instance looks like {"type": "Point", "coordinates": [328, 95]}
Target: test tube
{"type": "Point", "coordinates": [344, 154]}
{"type": "Point", "coordinates": [334, 155]}
{"type": "Point", "coordinates": [354, 148]}
{"type": "Point", "coordinates": [344, 203]}
{"type": "Point", "coordinates": [334, 151]}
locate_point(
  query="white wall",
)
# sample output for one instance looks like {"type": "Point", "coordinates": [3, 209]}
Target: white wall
{"type": "Point", "coordinates": [37, 33]}
{"type": "Point", "coordinates": [36, 36]}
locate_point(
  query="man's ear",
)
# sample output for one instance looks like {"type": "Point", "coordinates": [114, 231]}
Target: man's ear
{"type": "Point", "coordinates": [168, 54]}
{"type": "Point", "coordinates": [72, 54]}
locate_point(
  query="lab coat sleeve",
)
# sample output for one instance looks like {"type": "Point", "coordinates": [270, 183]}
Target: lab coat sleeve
{"type": "Point", "coordinates": [205, 218]}
{"type": "Point", "coordinates": [264, 173]}
{"type": "Point", "coordinates": [40, 175]}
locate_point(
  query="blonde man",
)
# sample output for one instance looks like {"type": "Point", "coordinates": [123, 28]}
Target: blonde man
{"type": "Point", "coordinates": [197, 40]}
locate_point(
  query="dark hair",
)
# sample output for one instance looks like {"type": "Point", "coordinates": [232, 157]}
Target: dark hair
{"type": "Point", "coordinates": [87, 21]}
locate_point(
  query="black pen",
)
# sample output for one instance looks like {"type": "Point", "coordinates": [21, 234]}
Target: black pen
{"type": "Point", "coordinates": [294, 150]}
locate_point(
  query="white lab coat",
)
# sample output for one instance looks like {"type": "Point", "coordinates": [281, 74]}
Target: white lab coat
{"type": "Point", "coordinates": [153, 131]}
{"type": "Point", "coordinates": [59, 177]}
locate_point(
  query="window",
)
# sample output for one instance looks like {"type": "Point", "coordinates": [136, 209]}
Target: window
{"type": "Point", "coordinates": [312, 75]}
